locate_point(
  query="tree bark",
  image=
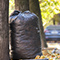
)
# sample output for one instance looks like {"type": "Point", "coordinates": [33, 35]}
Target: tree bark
{"type": "Point", "coordinates": [4, 36]}
{"type": "Point", "coordinates": [34, 7]}
{"type": "Point", "coordinates": [22, 5]}
{"type": "Point", "coordinates": [53, 22]}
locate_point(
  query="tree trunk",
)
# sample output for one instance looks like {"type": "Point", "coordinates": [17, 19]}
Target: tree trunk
{"type": "Point", "coordinates": [4, 36]}
{"type": "Point", "coordinates": [53, 22]}
{"type": "Point", "coordinates": [34, 7]}
{"type": "Point", "coordinates": [22, 5]}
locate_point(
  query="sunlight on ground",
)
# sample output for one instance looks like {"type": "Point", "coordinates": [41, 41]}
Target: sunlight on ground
{"type": "Point", "coordinates": [54, 45]}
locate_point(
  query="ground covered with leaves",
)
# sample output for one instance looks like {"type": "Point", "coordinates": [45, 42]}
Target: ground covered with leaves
{"type": "Point", "coordinates": [50, 54]}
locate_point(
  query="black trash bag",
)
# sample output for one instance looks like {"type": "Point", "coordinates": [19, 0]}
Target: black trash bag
{"type": "Point", "coordinates": [14, 15]}
{"type": "Point", "coordinates": [25, 38]}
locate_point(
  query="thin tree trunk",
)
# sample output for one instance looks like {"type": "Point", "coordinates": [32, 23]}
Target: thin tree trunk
{"type": "Point", "coordinates": [34, 7]}
{"type": "Point", "coordinates": [53, 22]}
{"type": "Point", "coordinates": [22, 5]}
{"type": "Point", "coordinates": [4, 36]}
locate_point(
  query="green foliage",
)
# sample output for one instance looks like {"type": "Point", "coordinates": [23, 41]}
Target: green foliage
{"type": "Point", "coordinates": [48, 9]}
{"type": "Point", "coordinates": [11, 6]}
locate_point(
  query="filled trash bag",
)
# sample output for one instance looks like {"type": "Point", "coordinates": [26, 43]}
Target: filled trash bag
{"type": "Point", "coordinates": [25, 38]}
{"type": "Point", "coordinates": [14, 15]}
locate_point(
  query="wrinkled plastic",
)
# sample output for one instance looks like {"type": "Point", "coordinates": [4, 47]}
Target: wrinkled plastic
{"type": "Point", "coordinates": [14, 15]}
{"type": "Point", "coordinates": [26, 42]}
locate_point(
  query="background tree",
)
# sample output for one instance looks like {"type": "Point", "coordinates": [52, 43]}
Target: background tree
{"type": "Point", "coordinates": [4, 40]}
{"type": "Point", "coordinates": [22, 5]}
{"type": "Point", "coordinates": [56, 18]}
{"type": "Point", "coordinates": [34, 7]}
{"type": "Point", "coordinates": [53, 22]}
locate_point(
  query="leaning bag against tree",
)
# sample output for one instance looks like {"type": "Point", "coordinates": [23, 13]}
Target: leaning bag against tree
{"type": "Point", "coordinates": [12, 17]}
{"type": "Point", "coordinates": [25, 38]}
